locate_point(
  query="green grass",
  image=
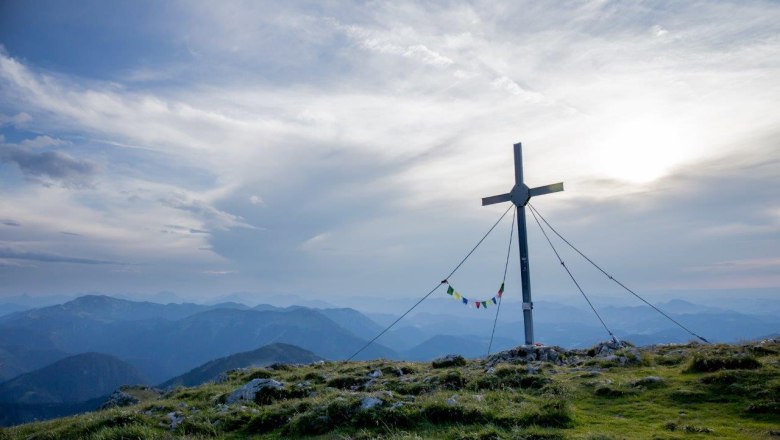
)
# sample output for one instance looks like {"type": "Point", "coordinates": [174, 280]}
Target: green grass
{"type": "Point", "coordinates": [718, 391]}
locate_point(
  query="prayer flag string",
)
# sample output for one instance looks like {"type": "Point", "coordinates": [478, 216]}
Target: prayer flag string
{"type": "Point", "coordinates": [475, 304]}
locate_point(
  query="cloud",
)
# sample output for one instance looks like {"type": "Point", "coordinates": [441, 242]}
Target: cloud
{"type": "Point", "coordinates": [213, 217]}
{"type": "Point", "coordinates": [49, 166]}
{"type": "Point", "coordinates": [219, 272]}
{"type": "Point", "coordinates": [256, 200]}
{"type": "Point", "coordinates": [43, 257]}
{"type": "Point", "coordinates": [10, 223]}
{"type": "Point", "coordinates": [18, 120]}
{"type": "Point", "coordinates": [41, 142]}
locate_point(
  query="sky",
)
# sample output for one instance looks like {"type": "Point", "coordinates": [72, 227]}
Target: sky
{"type": "Point", "coordinates": [331, 150]}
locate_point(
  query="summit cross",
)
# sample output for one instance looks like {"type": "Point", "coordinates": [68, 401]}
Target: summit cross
{"type": "Point", "coordinates": [520, 195]}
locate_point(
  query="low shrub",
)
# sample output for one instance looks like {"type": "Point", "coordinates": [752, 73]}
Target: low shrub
{"type": "Point", "coordinates": [400, 417]}
{"type": "Point", "coordinates": [314, 377]}
{"type": "Point", "coordinates": [258, 374]}
{"type": "Point", "coordinates": [771, 407]}
{"type": "Point", "coordinates": [442, 413]}
{"type": "Point", "coordinates": [669, 360]}
{"type": "Point", "coordinates": [266, 396]}
{"type": "Point", "coordinates": [269, 419]}
{"type": "Point", "coordinates": [346, 382]}
{"type": "Point", "coordinates": [410, 388]}
{"type": "Point", "coordinates": [608, 391]}
{"type": "Point", "coordinates": [451, 380]}
{"type": "Point", "coordinates": [711, 363]}
{"type": "Point", "coordinates": [322, 419]}
{"type": "Point", "coordinates": [195, 426]}
{"type": "Point", "coordinates": [134, 432]}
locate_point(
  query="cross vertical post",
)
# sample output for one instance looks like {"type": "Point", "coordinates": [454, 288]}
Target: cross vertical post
{"type": "Point", "coordinates": [522, 241]}
{"type": "Point", "coordinates": [520, 195]}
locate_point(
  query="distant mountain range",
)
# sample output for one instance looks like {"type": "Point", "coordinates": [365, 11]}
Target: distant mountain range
{"type": "Point", "coordinates": [73, 379]}
{"type": "Point", "coordinates": [167, 340]}
{"type": "Point", "coordinates": [71, 385]}
{"type": "Point", "coordinates": [54, 359]}
{"type": "Point", "coordinates": [273, 353]}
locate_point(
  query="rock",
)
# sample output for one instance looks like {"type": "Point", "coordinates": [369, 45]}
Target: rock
{"type": "Point", "coordinates": [530, 353]}
{"type": "Point", "coordinates": [649, 381]}
{"type": "Point", "coordinates": [451, 360]}
{"type": "Point", "coordinates": [370, 402]}
{"type": "Point", "coordinates": [376, 373]}
{"type": "Point", "coordinates": [119, 399]}
{"type": "Point", "coordinates": [452, 400]}
{"type": "Point", "coordinates": [279, 366]}
{"type": "Point", "coordinates": [175, 418]}
{"type": "Point", "coordinates": [250, 390]}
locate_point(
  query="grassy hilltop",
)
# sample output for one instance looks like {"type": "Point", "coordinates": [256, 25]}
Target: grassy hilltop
{"type": "Point", "coordinates": [666, 392]}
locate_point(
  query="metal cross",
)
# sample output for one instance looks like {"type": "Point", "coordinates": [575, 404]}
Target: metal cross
{"type": "Point", "coordinates": [520, 195]}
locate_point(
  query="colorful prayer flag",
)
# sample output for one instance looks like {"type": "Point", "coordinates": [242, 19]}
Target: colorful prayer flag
{"type": "Point", "coordinates": [475, 304]}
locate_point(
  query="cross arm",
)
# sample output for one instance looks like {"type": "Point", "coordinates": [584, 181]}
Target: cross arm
{"type": "Point", "coordinates": [492, 200]}
{"type": "Point", "coordinates": [546, 189]}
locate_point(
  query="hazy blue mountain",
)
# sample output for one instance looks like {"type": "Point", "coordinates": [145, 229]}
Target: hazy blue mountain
{"type": "Point", "coordinates": [403, 337]}
{"type": "Point", "coordinates": [575, 326]}
{"type": "Point", "coordinates": [269, 354]}
{"type": "Point", "coordinates": [23, 350]}
{"type": "Point", "coordinates": [7, 308]}
{"type": "Point", "coordinates": [354, 321]}
{"type": "Point", "coordinates": [167, 340]}
{"type": "Point", "coordinates": [73, 379]}
{"type": "Point", "coordinates": [105, 308]}
{"type": "Point", "coordinates": [18, 413]}
{"type": "Point", "coordinates": [267, 307]}
{"type": "Point", "coordinates": [186, 343]}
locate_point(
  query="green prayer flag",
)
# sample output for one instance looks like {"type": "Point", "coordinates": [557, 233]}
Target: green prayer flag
{"type": "Point", "coordinates": [450, 290]}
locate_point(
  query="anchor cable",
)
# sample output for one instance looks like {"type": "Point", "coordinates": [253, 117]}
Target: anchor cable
{"type": "Point", "coordinates": [435, 288]}
{"type": "Point", "coordinates": [506, 266]}
{"type": "Point", "coordinates": [573, 279]}
{"type": "Point", "coordinates": [533, 210]}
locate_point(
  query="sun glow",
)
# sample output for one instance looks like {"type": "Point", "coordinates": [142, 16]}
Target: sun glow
{"type": "Point", "coordinates": [642, 150]}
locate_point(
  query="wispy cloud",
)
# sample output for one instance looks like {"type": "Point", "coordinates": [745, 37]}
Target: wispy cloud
{"type": "Point", "coordinates": [16, 254]}
{"type": "Point", "coordinates": [48, 166]}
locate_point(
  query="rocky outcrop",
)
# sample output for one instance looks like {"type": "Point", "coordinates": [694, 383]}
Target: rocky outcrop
{"type": "Point", "coordinates": [128, 395]}
{"type": "Point", "coordinates": [619, 352]}
{"type": "Point", "coordinates": [451, 360]}
{"type": "Point", "coordinates": [250, 390]}
{"type": "Point", "coordinates": [119, 399]}
{"type": "Point", "coordinates": [529, 353]}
